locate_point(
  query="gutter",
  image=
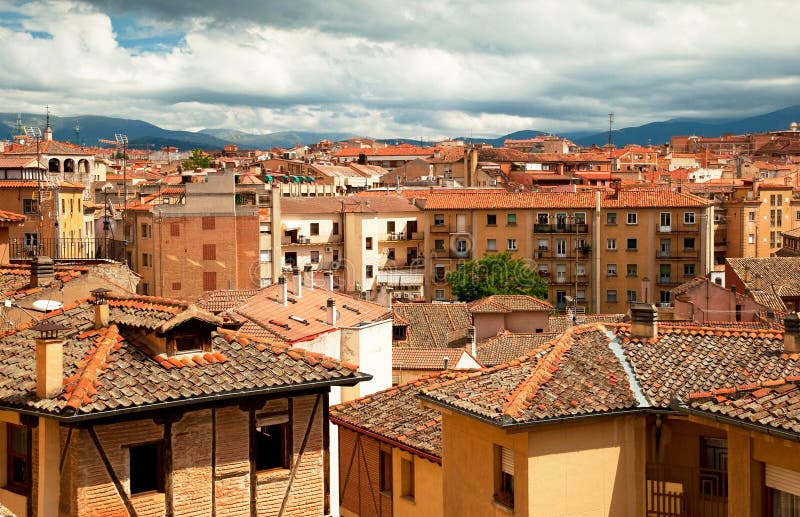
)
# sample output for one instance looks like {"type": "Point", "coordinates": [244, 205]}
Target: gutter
{"type": "Point", "coordinates": [386, 439]}
{"type": "Point", "coordinates": [677, 405]}
{"type": "Point", "coordinates": [194, 401]}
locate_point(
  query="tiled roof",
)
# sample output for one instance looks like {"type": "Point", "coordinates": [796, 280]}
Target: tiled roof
{"type": "Point", "coordinates": [771, 404]}
{"type": "Point", "coordinates": [423, 193]}
{"type": "Point", "coordinates": [769, 279]}
{"type": "Point", "coordinates": [37, 184]}
{"type": "Point", "coordinates": [684, 360]}
{"type": "Point", "coordinates": [396, 416]}
{"type": "Point", "coordinates": [17, 162]}
{"type": "Point", "coordinates": [222, 300]}
{"type": "Point", "coordinates": [509, 303]}
{"type": "Point", "coordinates": [11, 217]}
{"type": "Point", "coordinates": [433, 325]}
{"type": "Point", "coordinates": [15, 278]}
{"type": "Point", "coordinates": [268, 317]}
{"type": "Point", "coordinates": [507, 346]}
{"type": "Point", "coordinates": [400, 150]}
{"type": "Point", "coordinates": [405, 358]}
{"type": "Point", "coordinates": [578, 374]}
{"type": "Point", "coordinates": [335, 205]}
{"type": "Point", "coordinates": [51, 147]}
{"type": "Point", "coordinates": [108, 369]}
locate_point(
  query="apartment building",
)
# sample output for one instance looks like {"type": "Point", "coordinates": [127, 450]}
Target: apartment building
{"type": "Point", "coordinates": [597, 250]}
{"type": "Point", "coordinates": [208, 242]}
{"type": "Point", "coordinates": [363, 241]}
{"type": "Point", "coordinates": [757, 216]}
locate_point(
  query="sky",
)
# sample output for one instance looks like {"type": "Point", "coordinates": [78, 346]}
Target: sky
{"type": "Point", "coordinates": [416, 69]}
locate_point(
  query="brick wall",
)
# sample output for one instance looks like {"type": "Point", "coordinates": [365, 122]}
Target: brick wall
{"type": "Point", "coordinates": [359, 476]}
{"type": "Point", "coordinates": [202, 482]}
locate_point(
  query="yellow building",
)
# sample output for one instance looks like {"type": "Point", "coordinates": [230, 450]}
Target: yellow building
{"type": "Point", "coordinates": [600, 251]}
{"type": "Point", "coordinates": [757, 216]}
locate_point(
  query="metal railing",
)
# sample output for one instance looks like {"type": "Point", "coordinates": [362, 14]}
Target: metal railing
{"type": "Point", "coordinates": [674, 491]}
{"type": "Point", "coordinates": [97, 248]}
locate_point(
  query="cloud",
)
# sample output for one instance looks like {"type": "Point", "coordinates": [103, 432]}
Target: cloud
{"type": "Point", "coordinates": [385, 69]}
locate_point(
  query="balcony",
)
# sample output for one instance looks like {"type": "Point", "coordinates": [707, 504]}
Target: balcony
{"type": "Point", "coordinates": [674, 490]}
{"type": "Point", "coordinates": [98, 248]}
{"type": "Point", "coordinates": [665, 280]}
{"type": "Point", "coordinates": [401, 236]}
{"type": "Point", "coordinates": [440, 228]}
{"type": "Point", "coordinates": [560, 228]}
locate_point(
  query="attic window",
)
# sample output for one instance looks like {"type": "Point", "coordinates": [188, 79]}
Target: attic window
{"type": "Point", "coordinates": [188, 343]}
{"type": "Point", "coordinates": [399, 332]}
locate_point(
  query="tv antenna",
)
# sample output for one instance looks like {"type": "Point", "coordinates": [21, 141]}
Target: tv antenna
{"type": "Point", "coordinates": [610, 128]}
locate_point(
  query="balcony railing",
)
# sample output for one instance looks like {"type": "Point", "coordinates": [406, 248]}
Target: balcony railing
{"type": "Point", "coordinates": [98, 248]}
{"type": "Point", "coordinates": [560, 228]}
{"type": "Point", "coordinates": [674, 490]}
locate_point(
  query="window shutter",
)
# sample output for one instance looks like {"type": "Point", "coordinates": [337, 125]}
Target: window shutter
{"type": "Point", "coordinates": [782, 479]}
{"type": "Point", "coordinates": [507, 460]}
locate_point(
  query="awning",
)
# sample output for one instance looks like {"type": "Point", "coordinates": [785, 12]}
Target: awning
{"type": "Point", "coordinates": [290, 227]}
{"type": "Point", "coordinates": [268, 178]}
{"type": "Point", "coordinates": [395, 277]}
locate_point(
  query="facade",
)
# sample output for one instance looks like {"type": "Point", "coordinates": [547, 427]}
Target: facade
{"type": "Point", "coordinates": [703, 300]}
{"type": "Point", "coordinates": [207, 243]}
{"type": "Point", "coordinates": [142, 407]}
{"type": "Point", "coordinates": [757, 218]}
{"type": "Point", "coordinates": [560, 234]}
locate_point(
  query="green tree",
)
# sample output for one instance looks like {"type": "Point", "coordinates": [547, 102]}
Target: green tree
{"type": "Point", "coordinates": [198, 160]}
{"type": "Point", "coordinates": [496, 273]}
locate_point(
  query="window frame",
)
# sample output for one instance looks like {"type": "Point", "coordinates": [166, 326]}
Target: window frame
{"type": "Point", "coordinates": [511, 219]}
{"type": "Point", "coordinates": [689, 218]}
{"type": "Point", "coordinates": [137, 453]}
{"type": "Point", "coordinates": [283, 422]}
{"type": "Point", "coordinates": [11, 484]}
{"type": "Point", "coordinates": [632, 218]}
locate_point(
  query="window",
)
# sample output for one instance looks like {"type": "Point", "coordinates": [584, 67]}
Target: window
{"type": "Point", "coordinates": [369, 271]}
{"type": "Point", "coordinates": [315, 257]}
{"type": "Point", "coordinates": [632, 244]}
{"type": "Point", "coordinates": [439, 274]}
{"type": "Point", "coordinates": [751, 239]}
{"type": "Point", "coordinates": [272, 441]}
{"type": "Point", "coordinates": [632, 270]}
{"type": "Point", "coordinates": [314, 230]}
{"type": "Point", "coordinates": [511, 244]}
{"type": "Point", "coordinates": [145, 288]}
{"type": "Point", "coordinates": [688, 218]}
{"type": "Point", "coordinates": [188, 343]}
{"type": "Point", "coordinates": [17, 457]}
{"type": "Point", "coordinates": [30, 239]}
{"type": "Point", "coordinates": [580, 269]}
{"type": "Point", "coordinates": [389, 227]}
{"type": "Point", "coordinates": [143, 231]}
{"type": "Point", "coordinates": [385, 470]}
{"type": "Point", "coordinates": [335, 230]}
{"type": "Point", "coordinates": [688, 243]}
{"type": "Point", "coordinates": [666, 221]}
{"type": "Point", "coordinates": [779, 217]}
{"type": "Point", "coordinates": [438, 244]}
{"type": "Point", "coordinates": [146, 262]}
{"type": "Point", "coordinates": [491, 244]}
{"type": "Point", "coordinates": [209, 223]}
{"type": "Point", "coordinates": [399, 332]}
{"type": "Point", "coordinates": [561, 248]}
{"type": "Point", "coordinates": [438, 294]}
{"type": "Point", "coordinates": [491, 220]}
{"type": "Point", "coordinates": [611, 270]}
{"type": "Point", "coordinates": [751, 216]}
{"type": "Point", "coordinates": [147, 468]}
{"type": "Point", "coordinates": [772, 200]}
{"type": "Point", "coordinates": [209, 252]}
{"type": "Point", "coordinates": [209, 280]}
{"type": "Point", "coordinates": [369, 243]}
{"type": "Point", "coordinates": [631, 295]}
{"type": "Point", "coordinates": [542, 218]}
{"type": "Point", "coordinates": [390, 254]}
{"type": "Point", "coordinates": [407, 488]}
{"type": "Point", "coordinates": [611, 296]}
{"type": "Point", "coordinates": [665, 273]}
{"type": "Point", "coordinates": [511, 219]}
{"type": "Point", "coordinates": [797, 215]}
{"type": "Point", "coordinates": [30, 206]}
{"type": "Point", "coordinates": [632, 218]}
{"type": "Point", "coordinates": [580, 217]}
{"type": "Point", "coordinates": [714, 466]}
{"type": "Point", "coordinates": [176, 286]}
{"type": "Point", "coordinates": [771, 239]}
{"type": "Point", "coordinates": [504, 476]}
{"type": "Point", "coordinates": [611, 218]}
{"type": "Point", "coordinates": [611, 244]}
{"type": "Point", "coordinates": [688, 270]}
{"type": "Point", "coordinates": [175, 230]}
{"type": "Point", "coordinates": [438, 219]}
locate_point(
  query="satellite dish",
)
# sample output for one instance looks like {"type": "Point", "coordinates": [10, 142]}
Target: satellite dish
{"type": "Point", "coordinates": [47, 305]}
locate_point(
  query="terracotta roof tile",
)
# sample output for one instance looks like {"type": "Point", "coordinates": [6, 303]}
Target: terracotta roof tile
{"type": "Point", "coordinates": [406, 358]}
{"type": "Point", "coordinates": [433, 325]}
{"type": "Point", "coordinates": [506, 346]}
{"type": "Point", "coordinates": [509, 303]}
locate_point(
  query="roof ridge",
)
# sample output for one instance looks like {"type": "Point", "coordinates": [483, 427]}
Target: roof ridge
{"type": "Point", "coordinates": [747, 388]}
{"type": "Point", "coordinates": [81, 386]}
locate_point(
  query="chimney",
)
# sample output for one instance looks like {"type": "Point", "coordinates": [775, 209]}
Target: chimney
{"type": "Point", "coordinates": [644, 320]}
{"type": "Point", "coordinates": [330, 312]}
{"type": "Point", "coordinates": [791, 333]}
{"type": "Point", "coordinates": [42, 270]}
{"type": "Point", "coordinates": [471, 338]}
{"type": "Point", "coordinates": [328, 280]}
{"type": "Point", "coordinates": [297, 282]}
{"type": "Point", "coordinates": [49, 359]}
{"type": "Point", "coordinates": [446, 363]}
{"type": "Point", "coordinates": [308, 272]}
{"type": "Point", "coordinates": [101, 312]}
{"type": "Point", "coordinates": [283, 297]}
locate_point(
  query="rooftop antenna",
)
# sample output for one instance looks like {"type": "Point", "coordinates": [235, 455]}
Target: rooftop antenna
{"type": "Point", "coordinates": [19, 126]}
{"type": "Point", "coordinates": [77, 133]}
{"type": "Point", "coordinates": [610, 128]}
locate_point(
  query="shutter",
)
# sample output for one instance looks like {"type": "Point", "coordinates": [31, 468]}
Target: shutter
{"type": "Point", "coordinates": [507, 460]}
{"type": "Point", "coordinates": [782, 479]}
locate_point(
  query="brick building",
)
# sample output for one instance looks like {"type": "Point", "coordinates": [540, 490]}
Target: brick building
{"type": "Point", "coordinates": [141, 406]}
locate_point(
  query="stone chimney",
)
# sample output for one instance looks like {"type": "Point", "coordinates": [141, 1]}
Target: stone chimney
{"type": "Point", "coordinates": [644, 320]}
{"type": "Point", "coordinates": [283, 296]}
{"type": "Point", "coordinates": [328, 280]}
{"type": "Point", "coordinates": [308, 273]}
{"type": "Point", "coordinates": [49, 359]}
{"type": "Point", "coordinates": [385, 295]}
{"type": "Point", "coordinates": [42, 271]}
{"type": "Point", "coordinates": [330, 312]}
{"type": "Point", "coordinates": [791, 333]}
{"type": "Point", "coordinates": [101, 312]}
{"type": "Point", "coordinates": [297, 282]}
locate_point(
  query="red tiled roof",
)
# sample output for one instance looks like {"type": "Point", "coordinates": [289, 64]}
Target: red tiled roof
{"type": "Point", "coordinates": [433, 325]}
{"type": "Point", "coordinates": [509, 303]}
{"type": "Point", "coordinates": [400, 150]}
{"type": "Point", "coordinates": [507, 346]}
{"type": "Point", "coordinates": [51, 147]}
{"type": "Point", "coordinates": [11, 217]}
{"type": "Point", "coordinates": [405, 358]}
{"type": "Point", "coordinates": [17, 162]}
{"type": "Point", "coordinates": [37, 184]}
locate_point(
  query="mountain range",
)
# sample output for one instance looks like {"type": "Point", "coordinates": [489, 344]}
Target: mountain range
{"type": "Point", "coordinates": [143, 135]}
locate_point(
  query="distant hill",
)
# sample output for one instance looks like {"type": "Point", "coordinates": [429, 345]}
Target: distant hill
{"type": "Point", "coordinates": [284, 139]}
{"type": "Point", "coordinates": [659, 133]}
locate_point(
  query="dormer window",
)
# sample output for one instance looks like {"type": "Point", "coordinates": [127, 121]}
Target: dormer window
{"type": "Point", "coordinates": [188, 343]}
{"type": "Point", "coordinates": [399, 332]}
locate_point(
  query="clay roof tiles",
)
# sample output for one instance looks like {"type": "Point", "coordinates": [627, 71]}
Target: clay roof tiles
{"type": "Point", "coordinates": [507, 346]}
{"type": "Point", "coordinates": [404, 358]}
{"type": "Point", "coordinates": [11, 217]}
{"type": "Point", "coordinates": [509, 303]}
{"type": "Point", "coordinates": [433, 325]}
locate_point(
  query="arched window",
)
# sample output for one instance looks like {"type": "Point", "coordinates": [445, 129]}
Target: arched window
{"type": "Point", "coordinates": [69, 165]}
{"type": "Point", "coordinates": [54, 165]}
